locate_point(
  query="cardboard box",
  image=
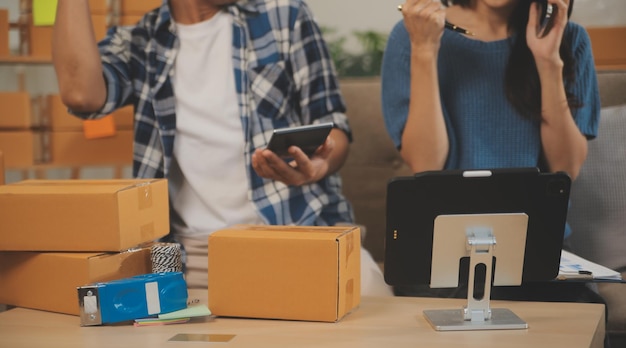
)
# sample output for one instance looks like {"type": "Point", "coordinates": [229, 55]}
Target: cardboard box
{"type": "Point", "coordinates": [100, 25]}
{"type": "Point", "coordinates": [82, 215]}
{"type": "Point", "coordinates": [16, 111]}
{"type": "Point", "coordinates": [98, 7]}
{"type": "Point", "coordinates": [285, 272]}
{"type": "Point", "coordinates": [48, 281]}
{"type": "Point", "coordinates": [61, 120]}
{"type": "Point", "coordinates": [21, 149]}
{"type": "Point", "coordinates": [73, 149]}
{"type": "Point", "coordinates": [2, 180]}
{"type": "Point", "coordinates": [129, 19]}
{"type": "Point", "coordinates": [40, 41]}
{"type": "Point", "coordinates": [134, 7]}
{"type": "Point", "coordinates": [4, 32]}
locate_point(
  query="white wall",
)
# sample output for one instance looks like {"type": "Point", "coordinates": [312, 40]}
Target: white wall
{"type": "Point", "coordinates": [349, 15]}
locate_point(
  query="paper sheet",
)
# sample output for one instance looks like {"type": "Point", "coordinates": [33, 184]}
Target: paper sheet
{"type": "Point", "coordinates": [575, 267]}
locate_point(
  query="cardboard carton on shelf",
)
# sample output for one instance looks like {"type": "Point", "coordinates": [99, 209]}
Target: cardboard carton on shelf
{"type": "Point", "coordinates": [285, 272]}
{"type": "Point", "coordinates": [48, 280]}
{"type": "Point", "coordinates": [129, 19]}
{"type": "Point", "coordinates": [99, 7]}
{"type": "Point", "coordinates": [134, 7]}
{"type": "Point", "coordinates": [21, 149]}
{"type": "Point", "coordinates": [73, 149]}
{"type": "Point", "coordinates": [4, 32]}
{"type": "Point", "coordinates": [16, 111]}
{"type": "Point", "coordinates": [82, 215]}
{"type": "Point", "coordinates": [59, 119]}
{"type": "Point", "coordinates": [2, 180]}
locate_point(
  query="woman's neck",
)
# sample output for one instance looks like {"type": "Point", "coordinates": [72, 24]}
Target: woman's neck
{"type": "Point", "coordinates": [487, 23]}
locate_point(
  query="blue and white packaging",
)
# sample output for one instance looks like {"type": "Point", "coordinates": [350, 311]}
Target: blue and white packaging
{"type": "Point", "coordinates": [132, 298]}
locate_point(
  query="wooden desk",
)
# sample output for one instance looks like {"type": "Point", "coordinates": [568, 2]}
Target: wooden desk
{"type": "Point", "coordinates": [379, 322]}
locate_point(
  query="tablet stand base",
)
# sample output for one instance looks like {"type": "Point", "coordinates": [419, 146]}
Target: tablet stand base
{"type": "Point", "coordinates": [478, 315]}
{"type": "Point", "coordinates": [453, 320]}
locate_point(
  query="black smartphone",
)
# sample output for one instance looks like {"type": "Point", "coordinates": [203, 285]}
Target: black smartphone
{"type": "Point", "coordinates": [546, 14]}
{"type": "Point", "coordinates": [308, 138]}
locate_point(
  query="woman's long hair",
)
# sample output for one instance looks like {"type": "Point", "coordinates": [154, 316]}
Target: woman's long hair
{"type": "Point", "coordinates": [522, 85]}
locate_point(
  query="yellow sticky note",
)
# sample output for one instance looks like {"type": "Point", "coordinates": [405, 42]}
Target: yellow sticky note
{"type": "Point", "coordinates": [44, 12]}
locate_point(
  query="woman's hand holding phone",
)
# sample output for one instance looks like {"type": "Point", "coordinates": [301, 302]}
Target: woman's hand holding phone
{"type": "Point", "coordinates": [544, 35]}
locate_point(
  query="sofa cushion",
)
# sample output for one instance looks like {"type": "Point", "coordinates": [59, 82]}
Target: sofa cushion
{"type": "Point", "coordinates": [598, 210]}
{"type": "Point", "coordinates": [597, 213]}
{"type": "Point", "coordinates": [373, 160]}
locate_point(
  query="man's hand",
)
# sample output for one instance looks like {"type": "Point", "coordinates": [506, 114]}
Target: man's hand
{"type": "Point", "coordinates": [300, 171]}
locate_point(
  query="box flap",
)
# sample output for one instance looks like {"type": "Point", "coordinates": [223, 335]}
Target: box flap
{"type": "Point", "coordinates": [73, 186]}
{"type": "Point", "coordinates": [285, 232]}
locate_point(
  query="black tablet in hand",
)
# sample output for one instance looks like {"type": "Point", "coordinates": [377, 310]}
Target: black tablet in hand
{"type": "Point", "coordinates": [308, 138]}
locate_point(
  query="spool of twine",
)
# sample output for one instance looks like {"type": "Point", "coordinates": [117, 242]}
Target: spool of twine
{"type": "Point", "coordinates": [166, 257]}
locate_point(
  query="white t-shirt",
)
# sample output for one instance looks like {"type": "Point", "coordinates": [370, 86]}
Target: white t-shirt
{"type": "Point", "coordinates": [208, 182]}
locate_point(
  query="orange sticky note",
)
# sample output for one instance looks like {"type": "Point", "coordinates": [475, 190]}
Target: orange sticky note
{"type": "Point", "coordinates": [100, 128]}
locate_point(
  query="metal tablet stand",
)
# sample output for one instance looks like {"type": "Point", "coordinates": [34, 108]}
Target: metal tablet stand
{"type": "Point", "coordinates": [478, 315]}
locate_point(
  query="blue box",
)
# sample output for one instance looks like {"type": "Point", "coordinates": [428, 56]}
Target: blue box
{"type": "Point", "coordinates": [132, 298]}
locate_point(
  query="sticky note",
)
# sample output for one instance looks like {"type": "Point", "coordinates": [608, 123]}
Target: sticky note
{"type": "Point", "coordinates": [100, 128]}
{"type": "Point", "coordinates": [189, 312]}
{"type": "Point", "coordinates": [44, 12]}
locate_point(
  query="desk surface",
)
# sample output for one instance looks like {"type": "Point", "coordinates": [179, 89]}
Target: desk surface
{"type": "Point", "coordinates": [378, 322]}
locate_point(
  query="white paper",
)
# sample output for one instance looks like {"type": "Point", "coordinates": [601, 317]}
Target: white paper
{"type": "Point", "coordinates": [575, 267]}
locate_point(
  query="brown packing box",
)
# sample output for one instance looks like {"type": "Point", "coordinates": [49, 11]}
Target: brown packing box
{"type": "Point", "coordinates": [71, 148]}
{"type": "Point", "coordinates": [285, 272]}
{"type": "Point", "coordinates": [4, 32]}
{"type": "Point", "coordinates": [98, 7]}
{"type": "Point", "coordinates": [99, 22]}
{"type": "Point", "coordinates": [21, 148]}
{"type": "Point", "coordinates": [129, 19]}
{"type": "Point", "coordinates": [1, 169]}
{"type": "Point", "coordinates": [16, 111]}
{"type": "Point", "coordinates": [40, 41]}
{"type": "Point", "coordinates": [61, 120]}
{"type": "Point", "coordinates": [82, 215]}
{"type": "Point", "coordinates": [48, 281]}
{"type": "Point", "coordinates": [135, 7]}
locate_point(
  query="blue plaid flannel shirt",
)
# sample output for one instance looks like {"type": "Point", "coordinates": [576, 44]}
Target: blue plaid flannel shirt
{"type": "Point", "coordinates": [284, 77]}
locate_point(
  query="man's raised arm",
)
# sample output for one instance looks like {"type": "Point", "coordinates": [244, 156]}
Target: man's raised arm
{"type": "Point", "coordinates": [76, 58]}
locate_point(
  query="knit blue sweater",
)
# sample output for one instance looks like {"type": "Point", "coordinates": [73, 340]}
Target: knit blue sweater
{"type": "Point", "coordinates": [484, 129]}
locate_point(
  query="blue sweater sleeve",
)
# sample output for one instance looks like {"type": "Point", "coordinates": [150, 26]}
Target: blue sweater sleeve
{"type": "Point", "coordinates": [396, 82]}
{"type": "Point", "coordinates": [585, 88]}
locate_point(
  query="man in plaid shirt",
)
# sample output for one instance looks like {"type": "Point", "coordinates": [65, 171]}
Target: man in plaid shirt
{"type": "Point", "coordinates": [210, 80]}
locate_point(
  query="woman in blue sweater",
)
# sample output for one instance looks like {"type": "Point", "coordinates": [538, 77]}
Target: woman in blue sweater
{"type": "Point", "coordinates": [507, 92]}
{"type": "Point", "coordinates": [506, 95]}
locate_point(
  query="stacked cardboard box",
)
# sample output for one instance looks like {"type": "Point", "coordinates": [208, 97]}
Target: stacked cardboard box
{"type": "Point", "coordinates": [69, 145]}
{"type": "Point", "coordinates": [131, 11]}
{"type": "Point", "coordinates": [4, 32]}
{"type": "Point", "coordinates": [1, 168]}
{"type": "Point", "coordinates": [57, 137]}
{"type": "Point", "coordinates": [57, 235]}
{"type": "Point", "coordinates": [20, 136]}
